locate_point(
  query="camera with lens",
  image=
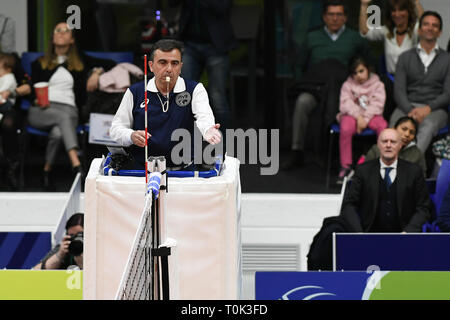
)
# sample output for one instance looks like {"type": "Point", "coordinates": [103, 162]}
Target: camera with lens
{"type": "Point", "coordinates": [76, 244]}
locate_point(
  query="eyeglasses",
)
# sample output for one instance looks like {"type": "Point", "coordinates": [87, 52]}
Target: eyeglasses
{"type": "Point", "coordinates": [61, 30]}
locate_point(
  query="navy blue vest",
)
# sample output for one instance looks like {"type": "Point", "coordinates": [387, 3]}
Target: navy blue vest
{"type": "Point", "coordinates": [161, 124]}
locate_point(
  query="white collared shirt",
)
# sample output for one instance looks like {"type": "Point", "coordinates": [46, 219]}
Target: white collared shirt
{"type": "Point", "coordinates": [335, 36]}
{"type": "Point", "coordinates": [121, 127]}
{"type": "Point", "coordinates": [392, 173]}
{"type": "Point", "coordinates": [426, 58]}
{"type": "Point", "coordinates": [392, 50]}
{"type": "Point", "coordinates": [60, 87]}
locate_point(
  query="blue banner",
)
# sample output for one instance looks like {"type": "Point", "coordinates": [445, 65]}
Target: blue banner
{"type": "Point", "coordinates": [353, 285]}
{"type": "Point", "coordinates": [393, 251]}
{"type": "Point", "coordinates": [23, 250]}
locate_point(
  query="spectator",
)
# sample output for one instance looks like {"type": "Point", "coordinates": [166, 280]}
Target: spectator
{"type": "Point", "coordinates": [173, 103]}
{"type": "Point", "coordinates": [407, 128]}
{"type": "Point", "coordinates": [208, 37]}
{"type": "Point", "coordinates": [441, 151]}
{"type": "Point", "coordinates": [422, 82]}
{"type": "Point", "coordinates": [60, 257]}
{"type": "Point", "coordinates": [361, 105]}
{"type": "Point", "coordinates": [7, 83]}
{"type": "Point", "coordinates": [7, 34]}
{"type": "Point", "coordinates": [8, 86]}
{"type": "Point", "coordinates": [11, 122]}
{"type": "Point", "coordinates": [69, 74]}
{"type": "Point", "coordinates": [443, 219]}
{"type": "Point", "coordinates": [441, 148]}
{"type": "Point", "coordinates": [326, 57]}
{"type": "Point", "coordinates": [400, 33]}
{"type": "Point", "coordinates": [387, 194]}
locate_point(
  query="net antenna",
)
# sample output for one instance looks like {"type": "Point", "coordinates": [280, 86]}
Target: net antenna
{"type": "Point", "coordinates": [146, 140]}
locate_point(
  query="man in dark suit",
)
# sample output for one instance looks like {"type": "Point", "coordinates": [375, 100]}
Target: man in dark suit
{"type": "Point", "coordinates": [206, 30]}
{"type": "Point", "coordinates": [387, 194]}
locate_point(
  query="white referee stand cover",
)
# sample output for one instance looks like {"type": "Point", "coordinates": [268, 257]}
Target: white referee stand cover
{"type": "Point", "coordinates": [202, 215]}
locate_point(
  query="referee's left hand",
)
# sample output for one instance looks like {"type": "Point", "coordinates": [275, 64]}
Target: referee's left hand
{"type": "Point", "coordinates": [213, 135]}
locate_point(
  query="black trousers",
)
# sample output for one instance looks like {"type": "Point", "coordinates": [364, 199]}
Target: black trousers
{"type": "Point", "coordinates": [10, 137]}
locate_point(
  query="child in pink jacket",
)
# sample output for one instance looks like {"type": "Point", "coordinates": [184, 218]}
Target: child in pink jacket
{"type": "Point", "coordinates": [361, 106]}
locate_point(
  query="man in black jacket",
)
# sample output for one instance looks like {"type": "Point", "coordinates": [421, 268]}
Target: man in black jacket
{"type": "Point", "coordinates": [387, 194]}
{"type": "Point", "coordinates": [208, 36]}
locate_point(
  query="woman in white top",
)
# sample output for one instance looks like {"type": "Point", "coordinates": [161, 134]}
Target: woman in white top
{"type": "Point", "coordinates": [399, 34]}
{"type": "Point", "coordinates": [70, 75]}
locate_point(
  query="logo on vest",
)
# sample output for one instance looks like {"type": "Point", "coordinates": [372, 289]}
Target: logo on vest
{"type": "Point", "coordinates": [143, 104]}
{"type": "Point", "coordinates": [183, 99]}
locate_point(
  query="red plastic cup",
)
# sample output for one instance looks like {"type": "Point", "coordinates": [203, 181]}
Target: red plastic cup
{"type": "Point", "coordinates": [41, 89]}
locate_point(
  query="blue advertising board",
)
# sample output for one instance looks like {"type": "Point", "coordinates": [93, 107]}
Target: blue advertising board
{"type": "Point", "coordinates": [313, 285]}
{"type": "Point", "coordinates": [392, 251]}
{"type": "Point", "coordinates": [352, 285]}
{"type": "Point", "coordinates": [23, 250]}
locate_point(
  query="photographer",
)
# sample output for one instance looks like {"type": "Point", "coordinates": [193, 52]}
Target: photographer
{"type": "Point", "coordinates": [64, 254]}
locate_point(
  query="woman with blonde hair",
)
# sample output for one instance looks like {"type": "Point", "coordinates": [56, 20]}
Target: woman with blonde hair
{"type": "Point", "coordinates": [70, 75]}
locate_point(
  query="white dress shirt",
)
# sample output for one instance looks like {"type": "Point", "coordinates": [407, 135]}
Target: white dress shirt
{"type": "Point", "coordinates": [393, 173]}
{"type": "Point", "coordinates": [426, 58]}
{"type": "Point", "coordinates": [335, 36]}
{"type": "Point", "coordinates": [392, 50]}
{"type": "Point", "coordinates": [60, 87]}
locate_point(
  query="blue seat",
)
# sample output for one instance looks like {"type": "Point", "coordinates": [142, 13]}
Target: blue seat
{"type": "Point", "coordinates": [383, 69]}
{"type": "Point", "coordinates": [442, 182]}
{"type": "Point", "coordinates": [27, 58]}
{"type": "Point", "coordinates": [37, 132]}
{"type": "Point", "coordinates": [335, 129]}
{"type": "Point", "coordinates": [443, 131]}
{"type": "Point", "coordinates": [118, 57]}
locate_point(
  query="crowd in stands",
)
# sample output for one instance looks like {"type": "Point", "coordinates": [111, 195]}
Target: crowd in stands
{"type": "Point", "coordinates": [414, 84]}
{"type": "Point", "coordinates": [338, 82]}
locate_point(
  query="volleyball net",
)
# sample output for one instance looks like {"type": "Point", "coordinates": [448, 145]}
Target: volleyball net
{"type": "Point", "coordinates": [137, 279]}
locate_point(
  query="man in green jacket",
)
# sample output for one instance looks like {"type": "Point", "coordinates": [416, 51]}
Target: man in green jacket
{"type": "Point", "coordinates": [327, 53]}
